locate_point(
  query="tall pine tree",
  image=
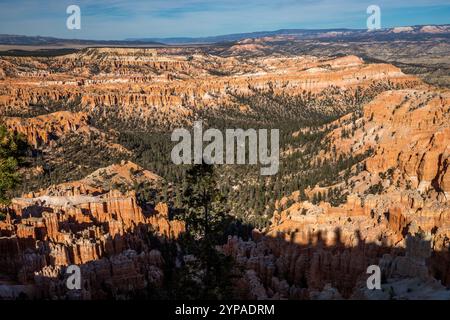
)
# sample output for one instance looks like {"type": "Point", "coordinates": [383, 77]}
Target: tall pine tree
{"type": "Point", "coordinates": [206, 221]}
{"type": "Point", "coordinates": [204, 204]}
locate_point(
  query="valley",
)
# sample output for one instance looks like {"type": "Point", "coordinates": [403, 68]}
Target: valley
{"type": "Point", "coordinates": [364, 172]}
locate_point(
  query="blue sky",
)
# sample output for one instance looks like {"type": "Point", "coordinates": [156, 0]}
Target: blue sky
{"type": "Point", "coordinates": [119, 19]}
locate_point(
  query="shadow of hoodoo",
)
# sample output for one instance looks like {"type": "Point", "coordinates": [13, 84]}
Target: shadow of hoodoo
{"type": "Point", "coordinates": [307, 254]}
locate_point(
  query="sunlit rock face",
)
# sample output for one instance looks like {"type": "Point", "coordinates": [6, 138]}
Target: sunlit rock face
{"type": "Point", "coordinates": [42, 130]}
{"type": "Point", "coordinates": [164, 87]}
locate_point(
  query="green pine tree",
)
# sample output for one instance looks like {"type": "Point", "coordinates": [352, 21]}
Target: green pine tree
{"type": "Point", "coordinates": [204, 204]}
{"type": "Point", "coordinates": [11, 150]}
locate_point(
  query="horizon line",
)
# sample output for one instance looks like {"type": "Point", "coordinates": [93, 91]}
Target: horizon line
{"type": "Point", "coordinates": [129, 39]}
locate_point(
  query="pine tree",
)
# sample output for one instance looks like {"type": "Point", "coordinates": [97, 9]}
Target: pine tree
{"type": "Point", "coordinates": [203, 203]}
{"type": "Point", "coordinates": [11, 150]}
{"type": "Point", "coordinates": [206, 219]}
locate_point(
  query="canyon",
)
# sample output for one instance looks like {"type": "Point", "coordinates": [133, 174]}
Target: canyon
{"type": "Point", "coordinates": [166, 89]}
{"type": "Point", "coordinates": [396, 207]}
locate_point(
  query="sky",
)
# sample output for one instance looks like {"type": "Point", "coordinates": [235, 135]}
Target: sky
{"type": "Point", "coordinates": [122, 19]}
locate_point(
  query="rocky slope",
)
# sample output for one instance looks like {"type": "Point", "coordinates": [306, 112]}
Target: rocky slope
{"type": "Point", "coordinates": [322, 252]}
{"type": "Point", "coordinates": [160, 87]}
{"type": "Point", "coordinates": [46, 129]}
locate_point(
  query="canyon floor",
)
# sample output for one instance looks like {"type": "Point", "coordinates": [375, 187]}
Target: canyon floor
{"type": "Point", "coordinates": [364, 174]}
